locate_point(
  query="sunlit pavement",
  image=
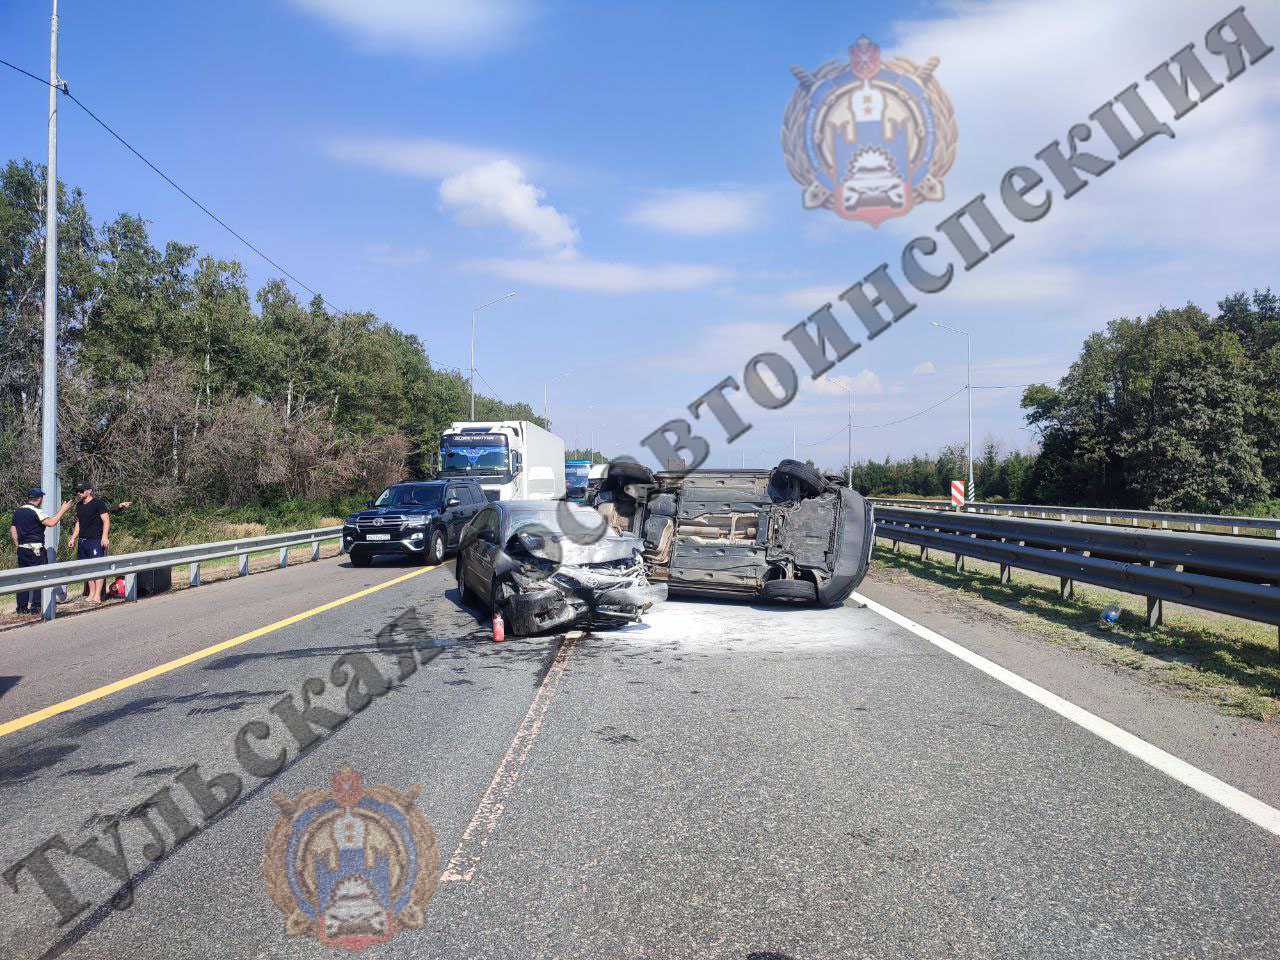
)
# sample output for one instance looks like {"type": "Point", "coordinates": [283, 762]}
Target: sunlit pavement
{"type": "Point", "coordinates": [722, 780]}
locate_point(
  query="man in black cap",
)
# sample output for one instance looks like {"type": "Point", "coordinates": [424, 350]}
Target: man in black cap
{"type": "Point", "coordinates": [27, 533]}
{"type": "Point", "coordinates": [90, 533]}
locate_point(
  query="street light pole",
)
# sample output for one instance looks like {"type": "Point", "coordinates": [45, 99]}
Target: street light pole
{"type": "Point", "coordinates": [545, 384]}
{"type": "Point", "coordinates": [591, 443]}
{"type": "Point", "coordinates": [474, 311]}
{"type": "Point", "coordinates": [849, 455]}
{"type": "Point", "coordinates": [49, 412]}
{"type": "Point", "coordinates": [968, 387]}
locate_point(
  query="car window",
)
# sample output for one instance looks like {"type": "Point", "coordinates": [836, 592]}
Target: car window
{"type": "Point", "coordinates": [452, 493]}
{"type": "Point", "coordinates": [486, 519]}
{"type": "Point", "coordinates": [474, 496]}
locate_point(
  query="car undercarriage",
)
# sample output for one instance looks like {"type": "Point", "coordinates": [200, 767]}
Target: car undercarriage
{"type": "Point", "coordinates": [782, 534]}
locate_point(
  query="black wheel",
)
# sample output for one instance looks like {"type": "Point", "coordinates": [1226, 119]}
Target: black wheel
{"type": "Point", "coordinates": [495, 592]}
{"type": "Point", "coordinates": [361, 559]}
{"type": "Point", "coordinates": [623, 472]}
{"type": "Point", "coordinates": [435, 547]}
{"type": "Point", "coordinates": [464, 593]}
{"type": "Point", "coordinates": [804, 479]}
{"type": "Point", "coordinates": [780, 590]}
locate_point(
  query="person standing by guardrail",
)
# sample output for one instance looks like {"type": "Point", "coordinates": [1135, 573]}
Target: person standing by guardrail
{"type": "Point", "coordinates": [90, 533]}
{"type": "Point", "coordinates": [27, 532]}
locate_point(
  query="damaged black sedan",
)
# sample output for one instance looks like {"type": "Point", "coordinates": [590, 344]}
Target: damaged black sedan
{"type": "Point", "coordinates": [549, 564]}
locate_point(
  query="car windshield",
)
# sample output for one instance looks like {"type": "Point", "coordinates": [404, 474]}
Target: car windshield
{"type": "Point", "coordinates": [410, 495]}
{"type": "Point", "coordinates": [473, 454]}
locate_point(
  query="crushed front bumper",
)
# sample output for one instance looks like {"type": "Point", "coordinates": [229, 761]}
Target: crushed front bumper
{"type": "Point", "coordinates": [577, 595]}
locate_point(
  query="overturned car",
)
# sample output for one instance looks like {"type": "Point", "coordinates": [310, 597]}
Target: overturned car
{"type": "Point", "coordinates": [548, 564]}
{"type": "Point", "coordinates": [786, 534]}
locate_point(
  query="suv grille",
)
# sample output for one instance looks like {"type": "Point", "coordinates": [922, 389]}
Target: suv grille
{"type": "Point", "coordinates": [390, 524]}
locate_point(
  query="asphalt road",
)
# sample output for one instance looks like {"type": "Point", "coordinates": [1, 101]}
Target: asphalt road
{"type": "Point", "coordinates": [720, 781]}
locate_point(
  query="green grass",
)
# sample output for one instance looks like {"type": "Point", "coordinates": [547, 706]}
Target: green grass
{"type": "Point", "coordinates": [1232, 663]}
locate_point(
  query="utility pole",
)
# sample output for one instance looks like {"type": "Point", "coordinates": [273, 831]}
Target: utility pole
{"type": "Point", "coordinates": [474, 311]}
{"type": "Point", "coordinates": [968, 387]}
{"type": "Point", "coordinates": [849, 456]}
{"type": "Point", "coordinates": [545, 384]}
{"type": "Point", "coordinates": [49, 413]}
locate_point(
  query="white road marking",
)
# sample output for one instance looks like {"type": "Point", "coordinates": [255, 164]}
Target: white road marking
{"type": "Point", "coordinates": [1252, 809]}
{"type": "Point", "coordinates": [466, 858]}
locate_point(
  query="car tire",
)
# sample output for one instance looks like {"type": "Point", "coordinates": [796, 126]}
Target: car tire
{"type": "Point", "coordinates": [435, 547]}
{"type": "Point", "coordinates": [804, 478]}
{"type": "Point", "coordinates": [623, 472]}
{"type": "Point", "coordinates": [464, 593]}
{"type": "Point", "coordinates": [777, 591]}
{"type": "Point", "coordinates": [494, 606]}
{"type": "Point", "coordinates": [361, 559]}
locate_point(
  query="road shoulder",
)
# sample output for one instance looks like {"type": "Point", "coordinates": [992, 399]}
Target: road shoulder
{"type": "Point", "coordinates": [1243, 752]}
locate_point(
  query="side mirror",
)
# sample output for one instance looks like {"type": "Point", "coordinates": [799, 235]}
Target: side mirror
{"type": "Point", "coordinates": [452, 502]}
{"type": "Point", "coordinates": [488, 536]}
{"type": "Point", "coordinates": [368, 503]}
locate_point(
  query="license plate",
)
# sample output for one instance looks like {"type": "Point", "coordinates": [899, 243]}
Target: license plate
{"type": "Point", "coordinates": [378, 536]}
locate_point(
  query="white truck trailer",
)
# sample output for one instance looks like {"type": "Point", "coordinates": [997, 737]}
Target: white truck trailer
{"type": "Point", "coordinates": [511, 459]}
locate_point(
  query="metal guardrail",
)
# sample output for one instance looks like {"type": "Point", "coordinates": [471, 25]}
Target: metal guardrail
{"type": "Point", "coordinates": [128, 565]}
{"type": "Point", "coordinates": [1236, 576]}
{"type": "Point", "coordinates": [1152, 518]}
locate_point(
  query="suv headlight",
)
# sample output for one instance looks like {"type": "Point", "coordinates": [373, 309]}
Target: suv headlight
{"type": "Point", "coordinates": [415, 521]}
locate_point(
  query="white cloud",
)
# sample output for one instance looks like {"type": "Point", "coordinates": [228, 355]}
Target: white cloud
{"type": "Point", "coordinates": [1144, 202]}
{"type": "Point", "coordinates": [810, 299]}
{"type": "Point", "coordinates": [499, 194]}
{"type": "Point", "coordinates": [599, 276]}
{"type": "Point", "coordinates": [426, 26]}
{"type": "Point", "coordinates": [924, 369]}
{"type": "Point", "coordinates": [413, 156]}
{"type": "Point", "coordinates": [699, 212]}
{"type": "Point", "coordinates": [388, 255]}
{"type": "Point", "coordinates": [864, 383]}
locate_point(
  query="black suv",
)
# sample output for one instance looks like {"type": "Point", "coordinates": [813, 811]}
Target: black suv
{"type": "Point", "coordinates": [415, 519]}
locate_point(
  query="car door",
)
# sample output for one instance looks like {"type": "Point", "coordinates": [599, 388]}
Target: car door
{"type": "Point", "coordinates": [479, 551]}
{"type": "Point", "coordinates": [455, 517]}
{"type": "Point", "coordinates": [470, 500]}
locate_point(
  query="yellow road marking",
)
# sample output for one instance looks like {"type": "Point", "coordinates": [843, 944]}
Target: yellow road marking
{"type": "Point", "coordinates": [33, 718]}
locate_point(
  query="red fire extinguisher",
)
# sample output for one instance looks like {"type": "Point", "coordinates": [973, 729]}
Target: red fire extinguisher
{"type": "Point", "coordinates": [499, 632]}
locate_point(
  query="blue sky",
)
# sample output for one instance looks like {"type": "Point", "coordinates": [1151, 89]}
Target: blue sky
{"type": "Point", "coordinates": [618, 166]}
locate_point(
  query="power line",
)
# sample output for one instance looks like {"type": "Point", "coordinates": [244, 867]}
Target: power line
{"type": "Point", "coordinates": [169, 180]}
{"type": "Point", "coordinates": [873, 426]}
{"type": "Point", "coordinates": [490, 386]}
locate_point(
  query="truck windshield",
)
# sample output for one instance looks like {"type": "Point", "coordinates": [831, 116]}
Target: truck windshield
{"type": "Point", "coordinates": [424, 495]}
{"type": "Point", "coordinates": [471, 454]}
{"type": "Point", "coordinates": [575, 474]}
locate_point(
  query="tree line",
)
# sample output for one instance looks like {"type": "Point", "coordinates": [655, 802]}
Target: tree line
{"type": "Point", "coordinates": [181, 389]}
{"type": "Point", "coordinates": [1178, 410]}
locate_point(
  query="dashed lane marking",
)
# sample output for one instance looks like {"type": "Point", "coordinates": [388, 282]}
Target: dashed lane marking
{"type": "Point", "coordinates": [466, 858]}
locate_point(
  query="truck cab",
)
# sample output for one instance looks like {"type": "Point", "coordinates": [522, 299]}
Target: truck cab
{"type": "Point", "coordinates": [509, 459]}
{"type": "Point", "coordinates": [576, 480]}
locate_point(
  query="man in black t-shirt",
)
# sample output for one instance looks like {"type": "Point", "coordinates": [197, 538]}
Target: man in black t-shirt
{"type": "Point", "coordinates": [90, 535]}
{"type": "Point", "coordinates": [26, 530]}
